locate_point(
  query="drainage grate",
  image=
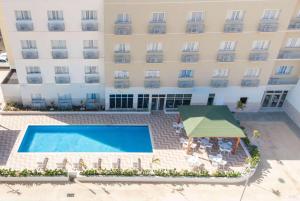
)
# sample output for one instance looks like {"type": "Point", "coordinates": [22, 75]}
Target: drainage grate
{"type": "Point", "coordinates": [70, 195]}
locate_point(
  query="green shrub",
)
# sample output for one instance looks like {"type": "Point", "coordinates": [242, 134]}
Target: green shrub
{"type": "Point", "coordinates": [28, 173]}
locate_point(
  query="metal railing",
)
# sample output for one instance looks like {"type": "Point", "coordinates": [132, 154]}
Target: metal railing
{"type": "Point", "coordinates": [189, 57]}
{"type": "Point", "coordinates": [195, 27]}
{"type": "Point", "coordinates": [24, 25]}
{"type": "Point", "coordinates": [250, 82]}
{"type": "Point", "coordinates": [89, 25]}
{"type": "Point", "coordinates": [92, 78]}
{"type": "Point", "coordinates": [226, 56]}
{"type": "Point", "coordinates": [121, 83]}
{"type": "Point", "coordinates": [56, 25]}
{"type": "Point", "coordinates": [258, 55]}
{"type": "Point", "coordinates": [62, 79]}
{"type": "Point", "coordinates": [152, 82]}
{"type": "Point", "coordinates": [34, 78]}
{"type": "Point", "coordinates": [268, 25]}
{"type": "Point", "coordinates": [154, 57]}
{"type": "Point", "coordinates": [233, 26]}
{"type": "Point", "coordinates": [30, 54]}
{"type": "Point", "coordinates": [219, 82]}
{"type": "Point", "coordinates": [294, 23]}
{"type": "Point", "coordinates": [289, 53]}
{"type": "Point", "coordinates": [122, 57]}
{"type": "Point", "coordinates": [283, 81]}
{"type": "Point", "coordinates": [90, 53]}
{"type": "Point", "coordinates": [122, 28]}
{"type": "Point", "coordinates": [59, 53]}
{"type": "Point", "coordinates": [157, 27]}
{"type": "Point", "coordinates": [185, 82]}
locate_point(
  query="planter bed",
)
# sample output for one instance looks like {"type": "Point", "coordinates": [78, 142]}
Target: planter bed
{"type": "Point", "coordinates": [35, 179]}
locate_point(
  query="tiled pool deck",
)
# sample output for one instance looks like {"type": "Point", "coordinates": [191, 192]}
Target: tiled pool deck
{"type": "Point", "coordinates": [166, 145]}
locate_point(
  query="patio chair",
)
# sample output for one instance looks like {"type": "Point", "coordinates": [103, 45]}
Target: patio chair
{"type": "Point", "coordinates": [138, 164]}
{"type": "Point", "coordinates": [81, 165]}
{"type": "Point", "coordinates": [43, 165]}
{"type": "Point", "coordinates": [62, 165]}
{"type": "Point", "coordinates": [117, 165]}
{"type": "Point", "coordinates": [99, 163]}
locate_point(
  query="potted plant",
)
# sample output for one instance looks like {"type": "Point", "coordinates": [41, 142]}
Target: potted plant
{"type": "Point", "coordinates": [255, 136]}
{"type": "Point", "coordinates": [52, 104]}
{"type": "Point", "coordinates": [240, 105]}
{"type": "Point", "coordinates": [82, 105]}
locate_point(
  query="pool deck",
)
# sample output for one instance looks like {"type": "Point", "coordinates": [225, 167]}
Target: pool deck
{"type": "Point", "coordinates": [165, 141]}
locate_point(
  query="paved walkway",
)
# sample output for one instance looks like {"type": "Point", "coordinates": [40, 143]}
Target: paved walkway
{"type": "Point", "coordinates": [165, 142]}
{"type": "Point", "coordinates": [277, 178]}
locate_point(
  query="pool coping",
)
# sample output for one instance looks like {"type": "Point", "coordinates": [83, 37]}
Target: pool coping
{"type": "Point", "coordinates": [23, 132]}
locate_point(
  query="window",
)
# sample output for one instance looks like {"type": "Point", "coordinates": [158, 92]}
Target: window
{"type": "Point", "coordinates": [28, 44]}
{"type": "Point", "coordinates": [23, 15]}
{"type": "Point", "coordinates": [89, 15]}
{"type": "Point", "coordinates": [58, 44]}
{"type": "Point", "coordinates": [191, 47]}
{"type": "Point", "coordinates": [118, 101]}
{"type": "Point", "coordinates": [196, 16]}
{"type": "Point", "coordinates": [121, 74]}
{"type": "Point", "coordinates": [92, 96]}
{"type": "Point", "coordinates": [235, 15]}
{"type": "Point", "coordinates": [152, 74]}
{"type": "Point", "coordinates": [221, 72]}
{"type": "Point", "coordinates": [270, 14]}
{"type": "Point", "coordinates": [61, 70]}
{"type": "Point", "coordinates": [33, 70]}
{"type": "Point", "coordinates": [123, 18]}
{"type": "Point", "coordinates": [175, 100]}
{"type": "Point", "coordinates": [228, 45]}
{"type": "Point", "coordinates": [260, 45]}
{"type": "Point", "coordinates": [55, 15]}
{"type": "Point", "coordinates": [143, 101]}
{"type": "Point", "coordinates": [90, 44]}
{"type": "Point", "coordinates": [186, 74]}
{"type": "Point", "coordinates": [154, 47]}
{"type": "Point", "coordinates": [91, 69]}
{"type": "Point", "coordinates": [122, 47]}
{"type": "Point", "coordinates": [252, 72]}
{"type": "Point", "coordinates": [293, 43]}
{"type": "Point", "coordinates": [159, 17]}
{"type": "Point", "coordinates": [284, 70]}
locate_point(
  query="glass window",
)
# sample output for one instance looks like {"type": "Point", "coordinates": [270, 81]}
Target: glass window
{"type": "Point", "coordinates": [58, 44]}
{"type": "Point", "coordinates": [196, 16]}
{"type": "Point", "coordinates": [121, 101]}
{"type": "Point", "coordinates": [154, 47]}
{"type": "Point", "coordinates": [293, 43]}
{"type": "Point", "coordinates": [143, 101]}
{"type": "Point", "coordinates": [55, 15]}
{"type": "Point", "coordinates": [33, 69]}
{"type": "Point", "coordinates": [228, 45]}
{"type": "Point", "coordinates": [91, 69]}
{"type": "Point", "coordinates": [89, 15]}
{"type": "Point", "coordinates": [260, 45]}
{"type": "Point", "coordinates": [235, 15]}
{"type": "Point", "coordinates": [270, 14]}
{"type": "Point", "coordinates": [28, 44]}
{"type": "Point", "coordinates": [284, 70]}
{"type": "Point", "coordinates": [61, 70]}
{"type": "Point", "coordinates": [221, 72]}
{"type": "Point", "coordinates": [122, 47]}
{"type": "Point", "coordinates": [123, 18]}
{"type": "Point", "coordinates": [186, 74]}
{"type": "Point", "coordinates": [175, 100]}
{"type": "Point", "coordinates": [191, 47]}
{"type": "Point", "coordinates": [252, 72]}
{"type": "Point", "coordinates": [158, 17]}
{"type": "Point", "coordinates": [121, 74]}
{"type": "Point", "coordinates": [152, 74]}
{"type": "Point", "coordinates": [23, 15]}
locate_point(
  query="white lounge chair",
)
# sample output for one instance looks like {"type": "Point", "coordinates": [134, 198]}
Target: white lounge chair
{"type": "Point", "coordinates": [43, 165]}
{"type": "Point", "coordinates": [62, 165]}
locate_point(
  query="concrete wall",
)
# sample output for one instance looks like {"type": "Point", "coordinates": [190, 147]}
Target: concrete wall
{"type": "Point", "coordinates": [292, 105]}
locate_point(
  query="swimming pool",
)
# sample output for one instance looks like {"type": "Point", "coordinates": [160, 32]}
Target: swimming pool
{"type": "Point", "coordinates": [86, 138]}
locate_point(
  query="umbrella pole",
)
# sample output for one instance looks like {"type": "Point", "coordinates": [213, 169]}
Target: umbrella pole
{"type": "Point", "coordinates": [236, 145]}
{"type": "Point", "coordinates": [188, 150]}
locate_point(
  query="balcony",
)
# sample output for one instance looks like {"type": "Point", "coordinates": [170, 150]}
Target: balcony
{"type": "Point", "coordinates": [122, 28]}
{"type": "Point", "coordinates": [38, 103]}
{"type": "Point", "coordinates": [121, 83]}
{"type": "Point", "coordinates": [34, 78]}
{"type": "Point", "coordinates": [268, 25]}
{"type": "Point", "coordinates": [24, 25]}
{"type": "Point", "coordinates": [195, 27]}
{"type": "Point", "coordinates": [64, 103]}
{"type": "Point", "coordinates": [157, 27]}
{"type": "Point", "coordinates": [62, 79]}
{"type": "Point", "coordinates": [233, 26]}
{"type": "Point", "coordinates": [283, 81]}
{"type": "Point", "coordinates": [122, 57]}
{"type": "Point", "coordinates": [30, 54]}
{"type": "Point", "coordinates": [91, 53]}
{"type": "Point", "coordinates": [289, 53]}
{"type": "Point", "coordinates": [250, 82]}
{"type": "Point", "coordinates": [89, 25]}
{"type": "Point", "coordinates": [218, 83]}
{"type": "Point", "coordinates": [59, 53]}
{"type": "Point", "coordinates": [225, 56]}
{"type": "Point", "coordinates": [294, 24]}
{"type": "Point", "coordinates": [154, 57]}
{"type": "Point", "coordinates": [185, 82]}
{"type": "Point", "coordinates": [152, 82]}
{"type": "Point", "coordinates": [190, 57]}
{"type": "Point", "coordinates": [56, 25]}
{"type": "Point", "coordinates": [258, 55]}
{"type": "Point", "coordinates": [92, 78]}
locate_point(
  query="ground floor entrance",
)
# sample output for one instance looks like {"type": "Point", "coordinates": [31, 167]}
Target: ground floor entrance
{"type": "Point", "coordinates": [274, 99]}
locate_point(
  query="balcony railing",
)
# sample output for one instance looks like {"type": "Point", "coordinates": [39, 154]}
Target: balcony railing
{"type": "Point", "coordinates": [233, 26]}
{"type": "Point", "coordinates": [294, 23]}
{"type": "Point", "coordinates": [258, 55]}
{"type": "Point", "coordinates": [225, 56]}
{"type": "Point", "coordinates": [157, 27]}
{"type": "Point", "coordinates": [92, 78]}
{"type": "Point", "coordinates": [89, 25]}
{"type": "Point", "coordinates": [154, 57]}
{"type": "Point", "coordinates": [91, 53]}
{"type": "Point", "coordinates": [122, 57]}
{"type": "Point", "coordinates": [152, 82]}
{"type": "Point", "coordinates": [64, 103]}
{"type": "Point", "coordinates": [38, 103]}
{"type": "Point", "coordinates": [190, 57]}
{"type": "Point", "coordinates": [122, 28]}
{"type": "Point", "coordinates": [268, 25]}
{"type": "Point", "coordinates": [62, 79]}
{"type": "Point", "coordinates": [185, 82]}
{"type": "Point", "coordinates": [195, 27]}
{"type": "Point", "coordinates": [289, 53]}
{"type": "Point", "coordinates": [34, 78]}
{"type": "Point", "coordinates": [121, 83]}
{"type": "Point", "coordinates": [219, 83]}
{"type": "Point", "coordinates": [59, 53]}
{"type": "Point", "coordinates": [250, 82]}
{"type": "Point", "coordinates": [283, 81]}
{"type": "Point", "coordinates": [30, 54]}
{"type": "Point", "coordinates": [24, 25]}
{"type": "Point", "coordinates": [56, 25]}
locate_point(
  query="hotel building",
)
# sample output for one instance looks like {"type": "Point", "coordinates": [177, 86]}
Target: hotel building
{"type": "Point", "coordinates": [152, 55]}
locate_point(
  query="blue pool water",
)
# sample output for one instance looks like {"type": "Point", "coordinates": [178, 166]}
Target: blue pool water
{"type": "Point", "coordinates": [86, 138]}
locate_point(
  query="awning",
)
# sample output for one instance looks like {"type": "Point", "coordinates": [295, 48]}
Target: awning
{"type": "Point", "coordinates": [209, 121]}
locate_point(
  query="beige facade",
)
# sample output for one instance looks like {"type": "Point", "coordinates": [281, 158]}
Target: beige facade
{"type": "Point", "coordinates": [222, 64]}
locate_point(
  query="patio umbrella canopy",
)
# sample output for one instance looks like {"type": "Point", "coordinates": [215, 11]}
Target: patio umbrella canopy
{"type": "Point", "coordinates": [209, 121]}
